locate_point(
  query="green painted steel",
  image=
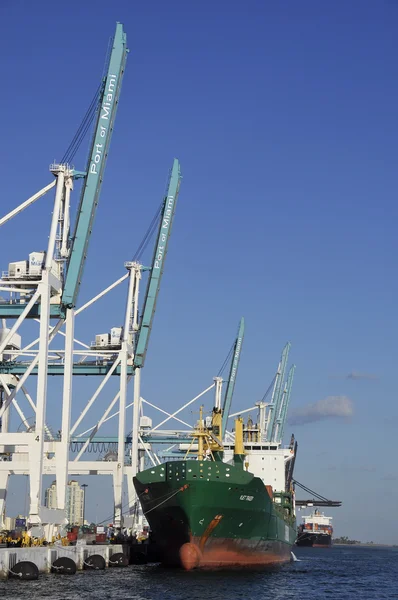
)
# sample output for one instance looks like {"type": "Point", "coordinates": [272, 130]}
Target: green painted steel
{"type": "Point", "coordinates": [95, 168]}
{"type": "Point", "coordinates": [152, 291]}
{"type": "Point", "coordinates": [232, 375]}
{"type": "Point", "coordinates": [13, 311]}
{"type": "Point", "coordinates": [198, 491]}
{"type": "Point", "coordinates": [19, 368]}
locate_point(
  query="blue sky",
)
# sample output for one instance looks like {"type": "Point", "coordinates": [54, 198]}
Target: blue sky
{"type": "Point", "coordinates": [283, 116]}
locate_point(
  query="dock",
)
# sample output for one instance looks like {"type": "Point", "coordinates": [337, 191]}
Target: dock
{"type": "Point", "coordinates": [45, 556]}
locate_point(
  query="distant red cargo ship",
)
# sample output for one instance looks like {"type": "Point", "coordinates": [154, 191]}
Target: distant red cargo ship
{"type": "Point", "coordinates": [316, 531]}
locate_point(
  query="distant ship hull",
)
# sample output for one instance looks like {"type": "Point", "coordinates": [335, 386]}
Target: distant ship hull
{"type": "Point", "coordinates": [211, 515]}
{"type": "Point", "coordinates": [316, 531]}
{"type": "Point", "coordinates": [314, 540]}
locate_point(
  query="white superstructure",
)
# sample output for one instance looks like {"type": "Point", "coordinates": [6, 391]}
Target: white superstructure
{"type": "Point", "coordinates": [266, 461]}
{"type": "Point", "coordinates": [318, 519]}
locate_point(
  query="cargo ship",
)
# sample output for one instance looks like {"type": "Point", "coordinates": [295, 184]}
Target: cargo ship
{"type": "Point", "coordinates": [226, 506]}
{"type": "Point", "coordinates": [316, 531]}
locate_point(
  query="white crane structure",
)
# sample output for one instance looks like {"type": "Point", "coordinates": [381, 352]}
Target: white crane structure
{"type": "Point", "coordinates": [44, 288]}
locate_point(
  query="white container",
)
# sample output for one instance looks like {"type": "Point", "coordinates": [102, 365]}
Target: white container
{"type": "Point", "coordinates": [18, 269]}
{"type": "Point", "coordinates": [36, 263]}
{"type": "Point", "coordinates": [116, 335]}
{"type": "Point", "coordinates": [102, 339]}
{"type": "Point", "coordinates": [146, 422]}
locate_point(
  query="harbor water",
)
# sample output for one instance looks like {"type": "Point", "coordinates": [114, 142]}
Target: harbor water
{"type": "Point", "coordinates": [335, 573]}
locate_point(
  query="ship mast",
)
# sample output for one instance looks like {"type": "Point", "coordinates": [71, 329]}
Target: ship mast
{"type": "Point", "coordinates": [208, 437]}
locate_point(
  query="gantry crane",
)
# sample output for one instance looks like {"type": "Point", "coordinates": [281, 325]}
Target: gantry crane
{"type": "Point", "coordinates": [56, 298]}
{"type": "Point", "coordinates": [133, 347]}
{"type": "Point", "coordinates": [48, 287]}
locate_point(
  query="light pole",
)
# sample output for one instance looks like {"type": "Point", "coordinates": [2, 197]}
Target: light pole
{"type": "Point", "coordinates": [84, 486]}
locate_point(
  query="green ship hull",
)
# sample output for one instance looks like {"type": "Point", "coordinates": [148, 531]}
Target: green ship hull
{"type": "Point", "coordinates": [213, 515]}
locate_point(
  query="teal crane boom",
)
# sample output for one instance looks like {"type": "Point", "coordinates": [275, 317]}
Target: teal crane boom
{"type": "Point", "coordinates": [278, 393]}
{"type": "Point", "coordinates": [232, 375]}
{"type": "Point", "coordinates": [157, 266]}
{"type": "Point", "coordinates": [95, 168]}
{"type": "Point", "coordinates": [285, 404]}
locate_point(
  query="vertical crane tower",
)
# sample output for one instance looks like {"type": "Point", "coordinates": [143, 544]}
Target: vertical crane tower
{"type": "Point", "coordinates": [108, 104]}
{"type": "Point", "coordinates": [55, 296]}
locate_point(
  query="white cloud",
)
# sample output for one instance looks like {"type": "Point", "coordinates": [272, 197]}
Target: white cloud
{"type": "Point", "coordinates": [331, 407]}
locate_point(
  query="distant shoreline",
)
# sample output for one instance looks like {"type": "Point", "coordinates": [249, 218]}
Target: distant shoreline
{"type": "Point", "coordinates": [365, 545]}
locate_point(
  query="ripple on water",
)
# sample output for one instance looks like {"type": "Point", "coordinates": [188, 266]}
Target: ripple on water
{"type": "Point", "coordinates": [336, 573]}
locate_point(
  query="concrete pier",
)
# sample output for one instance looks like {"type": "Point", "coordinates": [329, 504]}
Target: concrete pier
{"type": "Point", "coordinates": [44, 557]}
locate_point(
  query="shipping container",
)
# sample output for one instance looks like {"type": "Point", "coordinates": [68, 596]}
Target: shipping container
{"type": "Point", "coordinates": [116, 335]}
{"type": "Point", "coordinates": [18, 269]}
{"type": "Point", "coordinates": [102, 339]}
{"type": "Point", "coordinates": [36, 263]}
